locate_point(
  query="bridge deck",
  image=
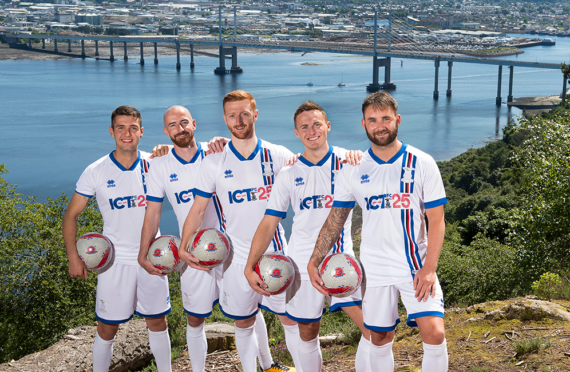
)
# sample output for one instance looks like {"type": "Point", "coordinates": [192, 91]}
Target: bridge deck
{"type": "Point", "coordinates": [366, 50]}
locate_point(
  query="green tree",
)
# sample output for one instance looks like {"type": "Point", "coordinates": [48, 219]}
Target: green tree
{"type": "Point", "coordinates": [40, 302]}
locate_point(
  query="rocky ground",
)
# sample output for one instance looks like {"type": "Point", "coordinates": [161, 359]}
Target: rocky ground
{"type": "Point", "coordinates": [512, 335]}
{"type": "Point", "coordinates": [536, 105]}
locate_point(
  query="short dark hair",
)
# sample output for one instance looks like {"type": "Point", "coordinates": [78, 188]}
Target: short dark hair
{"type": "Point", "coordinates": [125, 111]}
{"type": "Point", "coordinates": [380, 100]}
{"type": "Point", "coordinates": [238, 95]}
{"type": "Point", "coordinates": [308, 106]}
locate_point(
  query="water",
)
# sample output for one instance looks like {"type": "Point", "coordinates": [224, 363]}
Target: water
{"type": "Point", "coordinates": [55, 114]}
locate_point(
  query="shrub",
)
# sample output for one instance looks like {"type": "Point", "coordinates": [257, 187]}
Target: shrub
{"type": "Point", "coordinates": [549, 286]}
{"type": "Point", "coordinates": [40, 302]}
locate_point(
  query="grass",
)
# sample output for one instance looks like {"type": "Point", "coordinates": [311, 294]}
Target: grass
{"type": "Point", "coordinates": [528, 346]}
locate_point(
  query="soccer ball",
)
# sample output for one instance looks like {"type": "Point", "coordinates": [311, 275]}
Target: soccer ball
{"type": "Point", "coordinates": [341, 274]}
{"type": "Point", "coordinates": [163, 254]}
{"type": "Point", "coordinates": [96, 250]}
{"type": "Point", "coordinates": [211, 247]}
{"type": "Point", "coordinates": [277, 271]}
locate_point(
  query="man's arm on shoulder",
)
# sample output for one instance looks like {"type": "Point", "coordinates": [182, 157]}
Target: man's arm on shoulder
{"type": "Point", "coordinates": [425, 279]}
{"type": "Point", "coordinates": [148, 233]}
{"type": "Point", "coordinates": [77, 268]}
{"type": "Point", "coordinates": [261, 241]}
{"type": "Point", "coordinates": [328, 235]}
{"type": "Point", "coordinates": [191, 227]}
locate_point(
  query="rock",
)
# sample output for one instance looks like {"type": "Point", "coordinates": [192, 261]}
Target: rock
{"type": "Point", "coordinates": [220, 336]}
{"type": "Point", "coordinates": [527, 309]}
{"type": "Point", "coordinates": [74, 351]}
{"type": "Point", "coordinates": [495, 315]}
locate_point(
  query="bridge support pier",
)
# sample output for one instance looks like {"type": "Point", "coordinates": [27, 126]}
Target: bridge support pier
{"type": "Point", "coordinates": [142, 55]}
{"type": "Point", "coordinates": [55, 45]}
{"type": "Point", "coordinates": [191, 56]}
{"type": "Point", "coordinates": [510, 96]}
{"type": "Point", "coordinates": [69, 45]}
{"type": "Point", "coordinates": [43, 43]}
{"type": "Point", "coordinates": [125, 53]}
{"type": "Point", "coordinates": [96, 48]}
{"type": "Point", "coordinates": [112, 57]}
{"type": "Point", "coordinates": [376, 86]}
{"type": "Point", "coordinates": [155, 54]}
{"type": "Point", "coordinates": [449, 66]}
{"type": "Point", "coordinates": [178, 56]}
{"type": "Point", "coordinates": [435, 87]}
{"type": "Point", "coordinates": [83, 49]}
{"type": "Point", "coordinates": [30, 43]}
{"type": "Point", "coordinates": [235, 69]}
{"type": "Point", "coordinates": [498, 100]}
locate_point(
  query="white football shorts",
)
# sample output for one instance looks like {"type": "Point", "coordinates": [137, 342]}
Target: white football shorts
{"type": "Point", "coordinates": [126, 289]}
{"type": "Point", "coordinates": [200, 291]}
{"type": "Point", "coordinates": [380, 306]}
{"type": "Point", "coordinates": [307, 305]}
{"type": "Point", "coordinates": [239, 301]}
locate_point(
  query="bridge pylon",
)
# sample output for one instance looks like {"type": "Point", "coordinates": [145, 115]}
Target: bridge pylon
{"type": "Point", "coordinates": [388, 85]}
{"type": "Point", "coordinates": [235, 69]}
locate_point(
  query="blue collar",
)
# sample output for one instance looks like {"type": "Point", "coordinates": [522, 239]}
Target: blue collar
{"type": "Point", "coordinates": [121, 166]}
{"type": "Point", "coordinates": [239, 156]}
{"type": "Point", "coordinates": [321, 162]}
{"type": "Point", "coordinates": [196, 155]}
{"type": "Point", "coordinates": [392, 160]}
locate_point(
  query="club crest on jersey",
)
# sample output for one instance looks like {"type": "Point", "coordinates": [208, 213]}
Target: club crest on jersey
{"type": "Point", "coordinates": [338, 272]}
{"type": "Point", "coordinates": [228, 174]}
{"type": "Point", "coordinates": [157, 253]}
{"type": "Point", "coordinates": [299, 181]}
{"type": "Point", "coordinates": [173, 177]}
{"type": "Point", "coordinates": [267, 171]}
{"type": "Point", "coordinates": [364, 178]}
{"type": "Point", "coordinates": [387, 202]}
{"type": "Point", "coordinates": [407, 177]}
{"type": "Point", "coordinates": [111, 183]}
{"type": "Point", "coordinates": [91, 250]}
{"type": "Point", "coordinates": [276, 273]}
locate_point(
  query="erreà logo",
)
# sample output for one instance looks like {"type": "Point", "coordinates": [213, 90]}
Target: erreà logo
{"type": "Point", "coordinates": [299, 181]}
{"type": "Point", "coordinates": [111, 183]}
{"type": "Point", "coordinates": [173, 177]}
{"type": "Point", "coordinates": [364, 178]}
{"type": "Point", "coordinates": [228, 173]}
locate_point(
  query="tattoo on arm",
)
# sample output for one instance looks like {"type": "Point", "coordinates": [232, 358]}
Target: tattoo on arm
{"type": "Point", "coordinates": [330, 232]}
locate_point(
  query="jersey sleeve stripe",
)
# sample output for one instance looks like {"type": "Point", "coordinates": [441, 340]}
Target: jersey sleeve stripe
{"type": "Point", "coordinates": [343, 204]}
{"type": "Point", "coordinates": [154, 199]}
{"type": "Point", "coordinates": [273, 212]}
{"type": "Point", "coordinates": [203, 193]}
{"type": "Point", "coordinates": [220, 213]}
{"type": "Point", "coordinates": [435, 203]}
{"type": "Point", "coordinates": [87, 196]}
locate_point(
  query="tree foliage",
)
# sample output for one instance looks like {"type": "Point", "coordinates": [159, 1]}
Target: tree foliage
{"type": "Point", "coordinates": [39, 301]}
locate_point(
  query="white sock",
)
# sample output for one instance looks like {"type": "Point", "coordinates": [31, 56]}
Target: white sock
{"type": "Point", "coordinates": [197, 347]}
{"type": "Point", "coordinates": [246, 345]}
{"type": "Point", "coordinates": [310, 357]}
{"type": "Point", "coordinates": [102, 354]}
{"type": "Point", "coordinates": [435, 358]}
{"type": "Point", "coordinates": [292, 340]}
{"type": "Point", "coordinates": [160, 346]}
{"type": "Point", "coordinates": [362, 360]}
{"type": "Point", "coordinates": [264, 354]}
{"type": "Point", "coordinates": [381, 358]}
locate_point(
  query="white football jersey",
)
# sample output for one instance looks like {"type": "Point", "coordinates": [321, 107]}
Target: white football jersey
{"type": "Point", "coordinates": [121, 197]}
{"type": "Point", "coordinates": [175, 178]}
{"type": "Point", "coordinates": [243, 187]}
{"type": "Point", "coordinates": [309, 188]}
{"type": "Point", "coordinates": [394, 196]}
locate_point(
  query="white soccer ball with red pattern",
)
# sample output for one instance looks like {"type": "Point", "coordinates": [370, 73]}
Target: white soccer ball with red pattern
{"type": "Point", "coordinates": [277, 271]}
{"type": "Point", "coordinates": [96, 250]}
{"type": "Point", "coordinates": [212, 247]}
{"type": "Point", "coordinates": [163, 254]}
{"type": "Point", "coordinates": [341, 274]}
